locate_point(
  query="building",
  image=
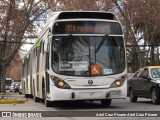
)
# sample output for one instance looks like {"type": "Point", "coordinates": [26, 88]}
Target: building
{"type": "Point", "coordinates": [14, 71]}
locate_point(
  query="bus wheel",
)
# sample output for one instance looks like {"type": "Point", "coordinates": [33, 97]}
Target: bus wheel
{"type": "Point", "coordinates": [106, 102]}
{"type": "Point", "coordinates": [26, 95]}
{"type": "Point", "coordinates": [46, 102]}
{"type": "Point", "coordinates": [36, 99]}
{"type": "Point", "coordinates": [132, 97]}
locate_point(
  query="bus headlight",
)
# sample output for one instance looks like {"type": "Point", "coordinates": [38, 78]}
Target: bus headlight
{"type": "Point", "coordinates": [60, 83]}
{"type": "Point", "coordinates": [119, 82]}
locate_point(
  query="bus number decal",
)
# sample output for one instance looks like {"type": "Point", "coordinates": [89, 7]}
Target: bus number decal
{"type": "Point", "coordinates": [73, 66]}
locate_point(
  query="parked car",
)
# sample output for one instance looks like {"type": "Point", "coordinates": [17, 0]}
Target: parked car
{"type": "Point", "coordinates": [14, 88]}
{"type": "Point", "coordinates": [145, 83]}
{"type": "Point", "coordinates": [129, 76]}
{"type": "Point", "coordinates": [20, 89]}
{"type": "Point", "coordinates": [7, 87]}
{"type": "Point", "coordinates": [8, 82]}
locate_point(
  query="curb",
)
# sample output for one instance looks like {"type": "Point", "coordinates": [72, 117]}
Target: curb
{"type": "Point", "coordinates": [5, 94]}
{"type": "Point", "coordinates": [12, 101]}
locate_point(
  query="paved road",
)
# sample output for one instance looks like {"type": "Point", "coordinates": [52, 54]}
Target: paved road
{"type": "Point", "coordinates": [117, 105]}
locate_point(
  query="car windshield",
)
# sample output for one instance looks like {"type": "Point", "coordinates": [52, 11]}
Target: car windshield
{"type": "Point", "coordinates": [88, 55]}
{"type": "Point", "coordinates": [155, 72]}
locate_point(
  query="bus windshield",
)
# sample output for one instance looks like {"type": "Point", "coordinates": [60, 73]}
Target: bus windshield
{"type": "Point", "coordinates": [78, 55]}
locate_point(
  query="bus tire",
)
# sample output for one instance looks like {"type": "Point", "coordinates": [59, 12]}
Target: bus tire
{"type": "Point", "coordinates": [36, 99]}
{"type": "Point", "coordinates": [46, 102]}
{"type": "Point", "coordinates": [26, 96]}
{"type": "Point", "coordinates": [106, 102]}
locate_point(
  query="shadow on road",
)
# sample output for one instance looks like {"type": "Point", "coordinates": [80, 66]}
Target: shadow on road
{"type": "Point", "coordinates": [70, 105]}
{"type": "Point", "coordinates": [146, 101]}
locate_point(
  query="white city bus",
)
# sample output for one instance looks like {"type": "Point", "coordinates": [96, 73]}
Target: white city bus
{"type": "Point", "coordinates": [78, 56]}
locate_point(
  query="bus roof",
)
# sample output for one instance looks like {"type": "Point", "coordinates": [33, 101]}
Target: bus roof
{"type": "Point", "coordinates": [82, 14]}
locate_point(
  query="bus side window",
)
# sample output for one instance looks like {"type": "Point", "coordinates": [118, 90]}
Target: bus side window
{"type": "Point", "coordinates": [43, 48]}
{"type": "Point", "coordinates": [47, 57]}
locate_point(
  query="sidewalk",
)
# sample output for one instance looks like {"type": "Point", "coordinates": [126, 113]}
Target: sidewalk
{"type": "Point", "coordinates": [11, 101]}
{"type": "Point", "coordinates": [29, 104]}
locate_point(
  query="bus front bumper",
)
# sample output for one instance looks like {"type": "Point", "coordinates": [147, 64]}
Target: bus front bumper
{"type": "Point", "coordinates": [57, 94]}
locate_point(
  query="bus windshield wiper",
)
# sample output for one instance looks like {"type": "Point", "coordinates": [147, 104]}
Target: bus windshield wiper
{"type": "Point", "coordinates": [101, 43]}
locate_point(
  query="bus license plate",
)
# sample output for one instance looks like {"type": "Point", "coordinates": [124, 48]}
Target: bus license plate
{"type": "Point", "coordinates": [115, 92]}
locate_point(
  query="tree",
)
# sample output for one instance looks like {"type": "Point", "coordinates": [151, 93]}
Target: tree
{"type": "Point", "coordinates": [141, 20]}
{"type": "Point", "coordinates": [17, 18]}
{"type": "Point", "coordinates": [93, 5]}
